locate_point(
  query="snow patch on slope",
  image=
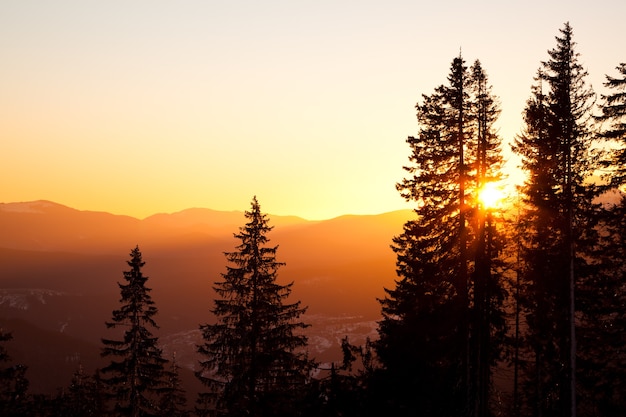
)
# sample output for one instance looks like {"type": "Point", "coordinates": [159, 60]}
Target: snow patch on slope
{"type": "Point", "coordinates": [23, 299]}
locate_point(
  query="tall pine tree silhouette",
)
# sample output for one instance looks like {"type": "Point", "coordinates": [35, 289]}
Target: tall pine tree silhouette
{"type": "Point", "coordinates": [252, 360]}
{"type": "Point", "coordinates": [557, 232]}
{"type": "Point", "coordinates": [487, 327]}
{"type": "Point", "coordinates": [602, 355]}
{"type": "Point", "coordinates": [429, 334]}
{"type": "Point", "coordinates": [134, 375]}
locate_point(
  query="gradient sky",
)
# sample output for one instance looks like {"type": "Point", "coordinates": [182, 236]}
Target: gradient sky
{"type": "Point", "coordinates": [140, 107]}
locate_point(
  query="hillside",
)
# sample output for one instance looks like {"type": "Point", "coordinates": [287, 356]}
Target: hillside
{"type": "Point", "coordinates": [59, 269]}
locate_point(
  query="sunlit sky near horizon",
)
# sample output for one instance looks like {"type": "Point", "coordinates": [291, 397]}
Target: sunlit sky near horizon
{"type": "Point", "coordinates": [143, 107]}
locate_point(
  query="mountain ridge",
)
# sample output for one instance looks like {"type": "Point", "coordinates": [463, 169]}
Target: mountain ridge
{"type": "Point", "coordinates": [48, 226]}
{"type": "Point", "coordinates": [37, 206]}
{"type": "Point", "coordinates": [59, 269]}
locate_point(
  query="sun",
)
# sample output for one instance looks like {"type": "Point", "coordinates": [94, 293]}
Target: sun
{"type": "Point", "coordinates": [491, 195]}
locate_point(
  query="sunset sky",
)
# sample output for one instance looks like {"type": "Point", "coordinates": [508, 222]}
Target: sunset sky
{"type": "Point", "coordinates": [141, 107]}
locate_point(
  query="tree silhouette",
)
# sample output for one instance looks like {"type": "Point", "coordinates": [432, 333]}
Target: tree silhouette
{"type": "Point", "coordinates": [602, 357]}
{"type": "Point", "coordinates": [487, 296]}
{"type": "Point", "coordinates": [173, 397]}
{"type": "Point", "coordinates": [557, 229]}
{"type": "Point", "coordinates": [430, 333]}
{"type": "Point", "coordinates": [83, 397]}
{"type": "Point", "coordinates": [252, 362]}
{"type": "Point", "coordinates": [134, 377]}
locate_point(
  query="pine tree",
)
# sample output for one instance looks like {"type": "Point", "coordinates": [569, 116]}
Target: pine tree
{"type": "Point", "coordinates": [134, 374]}
{"type": "Point", "coordinates": [429, 334]}
{"type": "Point", "coordinates": [487, 326]}
{"type": "Point", "coordinates": [253, 364]}
{"type": "Point", "coordinates": [173, 396]}
{"type": "Point", "coordinates": [555, 149]}
{"type": "Point", "coordinates": [81, 398]}
{"type": "Point", "coordinates": [603, 357]}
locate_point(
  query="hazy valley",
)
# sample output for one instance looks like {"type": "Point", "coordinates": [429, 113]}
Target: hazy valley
{"type": "Point", "coordinates": [59, 269]}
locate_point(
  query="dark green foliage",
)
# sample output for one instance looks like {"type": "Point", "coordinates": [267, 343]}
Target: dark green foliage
{"type": "Point", "coordinates": [252, 361]}
{"type": "Point", "coordinates": [134, 375]}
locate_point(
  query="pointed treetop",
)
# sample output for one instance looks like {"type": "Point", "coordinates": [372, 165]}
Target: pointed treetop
{"type": "Point", "coordinates": [256, 207]}
{"type": "Point", "coordinates": [135, 257]}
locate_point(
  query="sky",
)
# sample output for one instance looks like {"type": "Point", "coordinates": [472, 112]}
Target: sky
{"type": "Point", "coordinates": [144, 107]}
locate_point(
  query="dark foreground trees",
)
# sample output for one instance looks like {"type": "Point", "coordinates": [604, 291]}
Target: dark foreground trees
{"type": "Point", "coordinates": [558, 228]}
{"type": "Point", "coordinates": [253, 363]}
{"type": "Point", "coordinates": [442, 323]}
{"type": "Point", "coordinates": [603, 366]}
{"type": "Point", "coordinates": [442, 332]}
{"type": "Point", "coordinates": [134, 376]}
{"type": "Point", "coordinates": [173, 402]}
{"type": "Point", "coordinates": [84, 397]}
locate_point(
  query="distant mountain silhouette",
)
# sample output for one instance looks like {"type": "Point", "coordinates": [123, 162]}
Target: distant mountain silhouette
{"type": "Point", "coordinates": [47, 226]}
{"type": "Point", "coordinates": [211, 220]}
{"type": "Point", "coordinates": [59, 269]}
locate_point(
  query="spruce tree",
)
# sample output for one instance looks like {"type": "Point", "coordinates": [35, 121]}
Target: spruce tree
{"type": "Point", "coordinates": [82, 397]}
{"type": "Point", "coordinates": [487, 281]}
{"type": "Point", "coordinates": [603, 354]}
{"type": "Point", "coordinates": [252, 359]}
{"type": "Point", "coordinates": [555, 147]}
{"type": "Point", "coordinates": [134, 375]}
{"type": "Point", "coordinates": [430, 332]}
{"type": "Point", "coordinates": [173, 397]}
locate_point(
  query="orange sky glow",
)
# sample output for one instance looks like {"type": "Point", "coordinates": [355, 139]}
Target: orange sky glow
{"type": "Point", "coordinates": [155, 106]}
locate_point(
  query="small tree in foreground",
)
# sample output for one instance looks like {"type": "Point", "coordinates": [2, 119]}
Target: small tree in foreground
{"type": "Point", "coordinates": [82, 398]}
{"type": "Point", "coordinates": [173, 396]}
{"type": "Point", "coordinates": [252, 363]}
{"type": "Point", "coordinates": [134, 377]}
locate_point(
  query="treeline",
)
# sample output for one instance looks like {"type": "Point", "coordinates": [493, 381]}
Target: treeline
{"type": "Point", "coordinates": [516, 309]}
